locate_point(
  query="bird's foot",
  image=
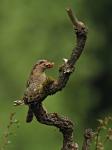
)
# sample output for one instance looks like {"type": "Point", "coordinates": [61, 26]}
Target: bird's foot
{"type": "Point", "coordinates": [18, 103]}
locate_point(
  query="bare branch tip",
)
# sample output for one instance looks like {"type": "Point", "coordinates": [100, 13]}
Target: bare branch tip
{"type": "Point", "coordinates": [68, 9]}
{"type": "Point", "coordinates": [76, 23]}
{"type": "Point", "coordinates": [72, 16]}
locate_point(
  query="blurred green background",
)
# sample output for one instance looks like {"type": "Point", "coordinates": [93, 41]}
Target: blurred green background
{"type": "Point", "coordinates": [31, 30]}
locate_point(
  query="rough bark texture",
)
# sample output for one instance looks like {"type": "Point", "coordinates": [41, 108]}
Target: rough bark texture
{"type": "Point", "coordinates": [53, 119]}
{"type": "Point", "coordinates": [64, 125]}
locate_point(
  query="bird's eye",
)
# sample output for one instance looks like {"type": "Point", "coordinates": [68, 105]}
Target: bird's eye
{"type": "Point", "coordinates": [47, 65]}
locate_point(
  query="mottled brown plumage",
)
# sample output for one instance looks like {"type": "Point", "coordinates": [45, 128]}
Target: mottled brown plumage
{"type": "Point", "coordinates": [35, 85]}
{"type": "Point", "coordinates": [36, 80]}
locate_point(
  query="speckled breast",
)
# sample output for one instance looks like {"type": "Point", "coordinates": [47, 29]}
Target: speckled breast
{"type": "Point", "coordinates": [32, 93]}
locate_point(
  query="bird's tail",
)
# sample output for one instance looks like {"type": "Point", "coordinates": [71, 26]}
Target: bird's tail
{"type": "Point", "coordinates": [35, 109]}
{"type": "Point", "coordinates": [29, 117]}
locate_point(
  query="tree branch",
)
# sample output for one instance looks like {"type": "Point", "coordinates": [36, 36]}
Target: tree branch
{"type": "Point", "coordinates": [64, 125]}
{"type": "Point", "coordinates": [53, 119]}
{"type": "Point", "coordinates": [68, 67]}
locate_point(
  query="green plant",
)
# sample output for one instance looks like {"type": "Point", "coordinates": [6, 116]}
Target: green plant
{"type": "Point", "coordinates": [103, 133]}
{"type": "Point", "coordinates": [5, 139]}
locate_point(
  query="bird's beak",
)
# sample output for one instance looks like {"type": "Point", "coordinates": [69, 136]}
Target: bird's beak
{"type": "Point", "coordinates": [50, 65]}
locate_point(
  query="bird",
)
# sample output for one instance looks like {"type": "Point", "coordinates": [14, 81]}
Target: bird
{"type": "Point", "coordinates": [35, 86]}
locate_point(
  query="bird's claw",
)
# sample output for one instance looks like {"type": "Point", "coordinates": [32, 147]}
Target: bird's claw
{"type": "Point", "coordinates": [18, 103]}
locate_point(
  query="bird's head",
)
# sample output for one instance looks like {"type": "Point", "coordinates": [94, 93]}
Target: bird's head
{"type": "Point", "coordinates": [44, 64]}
